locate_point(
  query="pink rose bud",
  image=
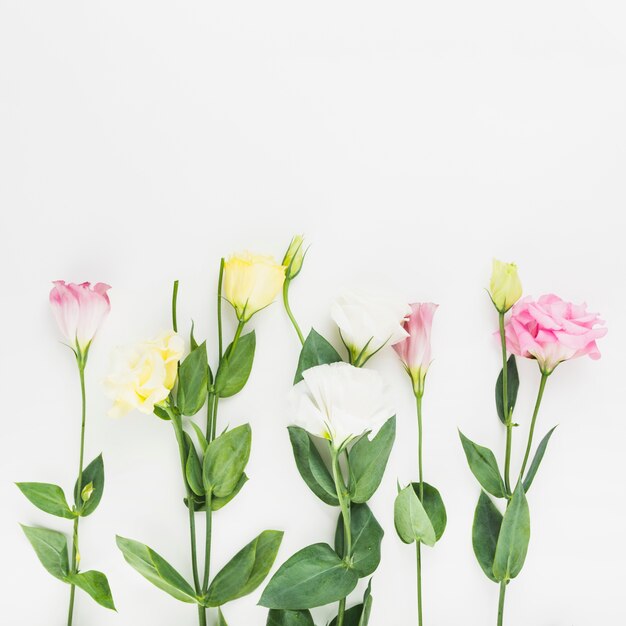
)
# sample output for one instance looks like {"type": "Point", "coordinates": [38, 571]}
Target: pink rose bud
{"type": "Point", "coordinates": [415, 350]}
{"type": "Point", "coordinates": [79, 310]}
{"type": "Point", "coordinates": [551, 331]}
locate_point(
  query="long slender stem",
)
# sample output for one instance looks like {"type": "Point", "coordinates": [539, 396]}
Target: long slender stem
{"type": "Point", "coordinates": [178, 429]}
{"type": "Point", "coordinates": [79, 483]}
{"type": "Point", "coordinates": [418, 546]}
{"type": "Point", "coordinates": [344, 503]}
{"type": "Point", "coordinates": [506, 408]}
{"type": "Point", "coordinates": [220, 280]}
{"type": "Point", "coordinates": [207, 546]}
{"type": "Point", "coordinates": [542, 386]}
{"type": "Point", "coordinates": [501, 603]}
{"type": "Point", "coordinates": [286, 285]}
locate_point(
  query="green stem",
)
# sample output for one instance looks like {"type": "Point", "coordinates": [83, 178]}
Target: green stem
{"type": "Point", "coordinates": [220, 280]}
{"type": "Point", "coordinates": [542, 386]}
{"type": "Point", "coordinates": [340, 488]}
{"type": "Point", "coordinates": [286, 285]}
{"type": "Point", "coordinates": [180, 438]}
{"type": "Point", "coordinates": [207, 547]}
{"type": "Point", "coordinates": [418, 547]}
{"type": "Point", "coordinates": [505, 407]}
{"type": "Point", "coordinates": [79, 483]}
{"type": "Point", "coordinates": [174, 301]}
{"type": "Point", "coordinates": [501, 603]}
{"type": "Point", "coordinates": [201, 615]}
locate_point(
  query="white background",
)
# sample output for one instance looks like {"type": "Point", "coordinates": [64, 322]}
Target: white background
{"type": "Point", "coordinates": [411, 142]}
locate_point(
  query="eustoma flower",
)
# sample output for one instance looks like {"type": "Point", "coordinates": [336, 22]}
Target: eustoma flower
{"type": "Point", "coordinates": [251, 282]}
{"type": "Point", "coordinates": [340, 402]}
{"type": "Point", "coordinates": [144, 374]}
{"type": "Point", "coordinates": [551, 331]}
{"type": "Point", "coordinates": [368, 321]}
{"type": "Point", "coordinates": [413, 522]}
{"type": "Point", "coordinates": [79, 311]}
{"type": "Point", "coordinates": [415, 350]}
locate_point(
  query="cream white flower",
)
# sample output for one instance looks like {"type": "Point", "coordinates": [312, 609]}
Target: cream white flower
{"type": "Point", "coordinates": [251, 282]}
{"type": "Point", "coordinates": [368, 321]}
{"type": "Point", "coordinates": [143, 375]}
{"type": "Point", "coordinates": [340, 402]}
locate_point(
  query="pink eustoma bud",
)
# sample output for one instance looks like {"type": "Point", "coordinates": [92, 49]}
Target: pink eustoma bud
{"type": "Point", "coordinates": [79, 311]}
{"type": "Point", "coordinates": [552, 330]}
{"type": "Point", "coordinates": [415, 351]}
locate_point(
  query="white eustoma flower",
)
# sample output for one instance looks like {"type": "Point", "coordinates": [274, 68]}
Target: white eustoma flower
{"type": "Point", "coordinates": [143, 375]}
{"type": "Point", "coordinates": [340, 402]}
{"type": "Point", "coordinates": [368, 321]}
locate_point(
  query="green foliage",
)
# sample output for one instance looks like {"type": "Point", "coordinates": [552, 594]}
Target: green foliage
{"type": "Point", "coordinates": [411, 520]}
{"type": "Point", "coordinates": [51, 549]}
{"type": "Point", "coordinates": [512, 387]}
{"type": "Point", "coordinates": [225, 460]}
{"type": "Point", "coordinates": [536, 462]}
{"type": "Point", "coordinates": [315, 351]}
{"type": "Point", "coordinates": [311, 466]}
{"type": "Point", "coordinates": [193, 381]}
{"type": "Point", "coordinates": [235, 367]}
{"type": "Point", "coordinates": [47, 497]}
{"type": "Point", "coordinates": [367, 535]}
{"type": "Point", "coordinates": [246, 570]}
{"type": "Point", "coordinates": [312, 577]}
{"type": "Point", "coordinates": [281, 617]}
{"type": "Point", "coordinates": [94, 474]}
{"type": "Point", "coordinates": [514, 538]}
{"type": "Point", "coordinates": [368, 460]}
{"type": "Point", "coordinates": [96, 585]}
{"type": "Point", "coordinates": [156, 569]}
{"type": "Point", "coordinates": [485, 532]}
{"type": "Point", "coordinates": [484, 466]}
{"type": "Point", "coordinates": [435, 509]}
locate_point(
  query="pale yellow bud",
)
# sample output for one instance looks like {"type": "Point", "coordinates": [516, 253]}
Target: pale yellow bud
{"type": "Point", "coordinates": [505, 287]}
{"type": "Point", "coordinates": [294, 257]}
{"type": "Point", "coordinates": [87, 492]}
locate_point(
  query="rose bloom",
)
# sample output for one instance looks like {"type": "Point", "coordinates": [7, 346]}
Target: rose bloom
{"type": "Point", "coordinates": [415, 351]}
{"type": "Point", "coordinates": [551, 331]}
{"type": "Point", "coordinates": [143, 375]}
{"type": "Point", "coordinates": [340, 402]}
{"type": "Point", "coordinates": [79, 311]}
{"type": "Point", "coordinates": [251, 282]}
{"type": "Point", "coordinates": [368, 321]}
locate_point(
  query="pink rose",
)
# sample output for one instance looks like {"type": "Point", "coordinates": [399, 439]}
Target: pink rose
{"type": "Point", "coordinates": [551, 331]}
{"type": "Point", "coordinates": [79, 310]}
{"type": "Point", "coordinates": [415, 350]}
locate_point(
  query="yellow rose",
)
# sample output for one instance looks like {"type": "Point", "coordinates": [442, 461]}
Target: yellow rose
{"type": "Point", "coordinates": [143, 375]}
{"type": "Point", "coordinates": [251, 282]}
{"type": "Point", "coordinates": [505, 287]}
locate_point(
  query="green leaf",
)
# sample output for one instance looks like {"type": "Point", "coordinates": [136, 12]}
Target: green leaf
{"type": "Point", "coordinates": [221, 620]}
{"type": "Point", "coordinates": [246, 570]}
{"type": "Point", "coordinates": [48, 498]}
{"type": "Point", "coordinates": [280, 617]}
{"type": "Point", "coordinates": [358, 615]}
{"type": "Point", "coordinates": [312, 577]}
{"type": "Point", "coordinates": [411, 520]}
{"type": "Point", "coordinates": [368, 460]}
{"type": "Point", "coordinates": [514, 538]}
{"type": "Point", "coordinates": [485, 532]}
{"type": "Point", "coordinates": [96, 585]}
{"type": "Point", "coordinates": [484, 466]}
{"type": "Point", "coordinates": [536, 462]}
{"type": "Point", "coordinates": [512, 387]}
{"type": "Point", "coordinates": [225, 460]}
{"type": "Point", "coordinates": [367, 605]}
{"type": "Point", "coordinates": [193, 469]}
{"type": "Point", "coordinates": [193, 381]}
{"type": "Point", "coordinates": [315, 351]}
{"type": "Point", "coordinates": [51, 549]}
{"type": "Point", "coordinates": [218, 503]}
{"type": "Point", "coordinates": [94, 474]}
{"type": "Point", "coordinates": [367, 535]}
{"type": "Point", "coordinates": [235, 368]}
{"type": "Point", "coordinates": [311, 466]}
{"type": "Point", "coordinates": [156, 569]}
{"type": "Point", "coordinates": [200, 436]}
{"type": "Point", "coordinates": [435, 509]}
